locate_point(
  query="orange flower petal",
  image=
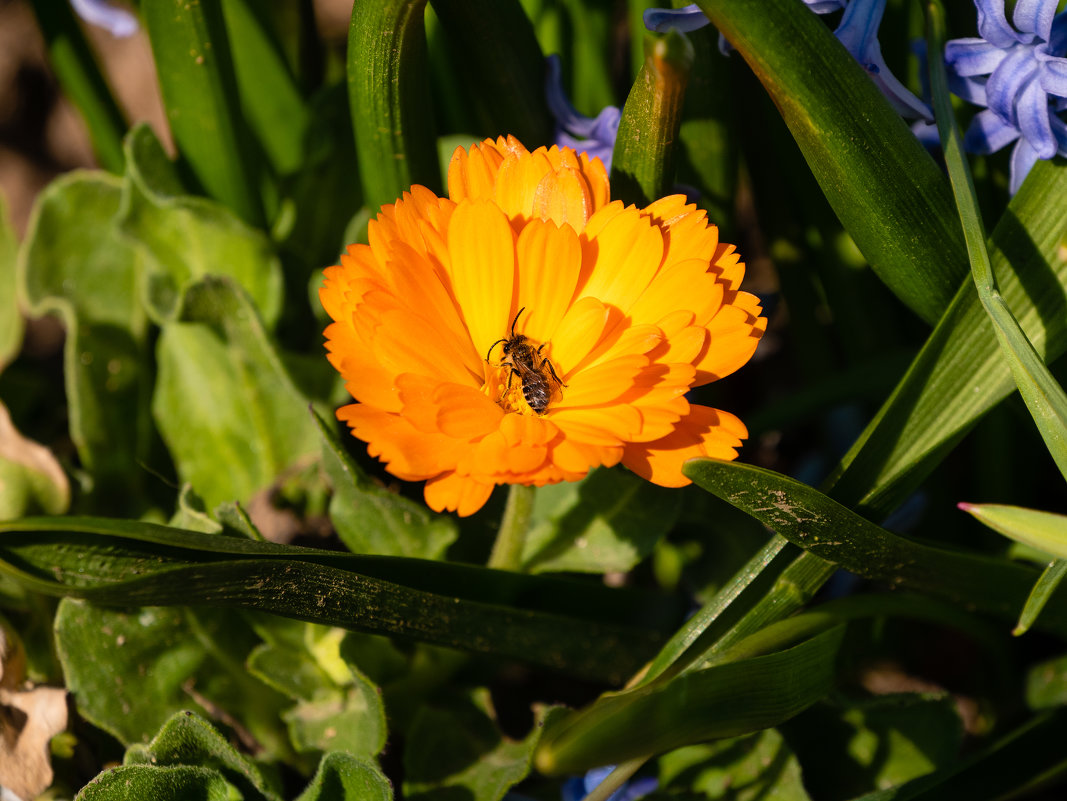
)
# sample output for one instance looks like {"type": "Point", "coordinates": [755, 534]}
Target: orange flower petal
{"type": "Point", "coordinates": [549, 258]}
{"type": "Point", "coordinates": [463, 495]}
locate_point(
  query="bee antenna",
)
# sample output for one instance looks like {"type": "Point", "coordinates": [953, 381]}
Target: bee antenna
{"type": "Point", "coordinates": [493, 346]}
{"type": "Point", "coordinates": [517, 316]}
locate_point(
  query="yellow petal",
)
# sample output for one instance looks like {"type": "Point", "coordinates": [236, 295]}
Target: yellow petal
{"type": "Point", "coordinates": [549, 258]}
{"type": "Point", "coordinates": [620, 261]}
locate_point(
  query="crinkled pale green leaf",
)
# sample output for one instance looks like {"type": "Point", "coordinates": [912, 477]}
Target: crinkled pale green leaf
{"type": "Point", "coordinates": [370, 519]}
{"type": "Point", "coordinates": [574, 627]}
{"type": "Point", "coordinates": [11, 322]}
{"type": "Point", "coordinates": [224, 402]}
{"type": "Point", "coordinates": [130, 670]}
{"type": "Point", "coordinates": [196, 77]}
{"type": "Point", "coordinates": [343, 777]}
{"type": "Point", "coordinates": [185, 238]}
{"type": "Point", "coordinates": [172, 783]}
{"type": "Point", "coordinates": [642, 163]}
{"type": "Point", "coordinates": [74, 263]}
{"type": "Point", "coordinates": [830, 531]}
{"type": "Point", "coordinates": [760, 766]}
{"type": "Point", "coordinates": [188, 739]}
{"type": "Point", "coordinates": [725, 700]}
{"type": "Point", "coordinates": [457, 748]}
{"type": "Point", "coordinates": [608, 522]}
{"type": "Point", "coordinates": [388, 94]}
{"type": "Point", "coordinates": [31, 480]}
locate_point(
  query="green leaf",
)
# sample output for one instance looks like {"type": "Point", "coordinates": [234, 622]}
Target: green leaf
{"type": "Point", "coordinates": [1043, 590]}
{"type": "Point", "coordinates": [196, 76]}
{"type": "Point", "coordinates": [174, 783]}
{"type": "Point", "coordinates": [1044, 397]}
{"type": "Point", "coordinates": [343, 777]}
{"type": "Point", "coordinates": [11, 322]}
{"type": "Point", "coordinates": [350, 720]}
{"type": "Point", "coordinates": [1042, 530]}
{"type": "Point", "coordinates": [885, 188]}
{"type": "Point", "coordinates": [187, 739]}
{"type": "Point", "coordinates": [457, 748]}
{"type": "Point", "coordinates": [131, 670]}
{"type": "Point", "coordinates": [567, 626]}
{"type": "Point", "coordinates": [185, 238]}
{"type": "Point", "coordinates": [502, 63]}
{"type": "Point", "coordinates": [642, 163]}
{"type": "Point", "coordinates": [960, 374]}
{"type": "Point", "coordinates": [1046, 684]}
{"type": "Point", "coordinates": [876, 742]}
{"type": "Point", "coordinates": [224, 402]}
{"type": "Point", "coordinates": [370, 519]}
{"type": "Point", "coordinates": [73, 263]}
{"type": "Point", "coordinates": [388, 94]}
{"type": "Point", "coordinates": [270, 98]}
{"type": "Point", "coordinates": [830, 531]}
{"type": "Point", "coordinates": [743, 769]}
{"type": "Point", "coordinates": [608, 522]}
{"type": "Point", "coordinates": [31, 479]}
{"type": "Point", "coordinates": [71, 59]}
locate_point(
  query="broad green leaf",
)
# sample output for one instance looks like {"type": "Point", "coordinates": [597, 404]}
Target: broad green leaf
{"type": "Point", "coordinates": [172, 783]}
{"type": "Point", "coordinates": [343, 777]}
{"type": "Point", "coordinates": [31, 479]}
{"type": "Point", "coordinates": [642, 163]}
{"type": "Point", "coordinates": [1043, 395]}
{"type": "Point", "coordinates": [960, 374]}
{"type": "Point", "coordinates": [370, 519]}
{"type": "Point", "coordinates": [830, 531]}
{"type": "Point", "coordinates": [725, 700]}
{"type": "Point", "coordinates": [388, 94]}
{"type": "Point", "coordinates": [192, 514]}
{"type": "Point", "coordinates": [131, 670]}
{"type": "Point", "coordinates": [875, 742]}
{"type": "Point", "coordinates": [224, 403]}
{"type": "Point", "coordinates": [185, 238]}
{"type": "Point", "coordinates": [457, 747]}
{"type": "Point", "coordinates": [501, 61]}
{"type": "Point", "coordinates": [196, 77]}
{"type": "Point", "coordinates": [760, 766]}
{"type": "Point", "coordinates": [886, 189]}
{"type": "Point", "coordinates": [187, 739]}
{"type": "Point", "coordinates": [11, 322]}
{"type": "Point", "coordinates": [73, 263]}
{"type": "Point", "coordinates": [71, 59]}
{"type": "Point", "coordinates": [270, 98]}
{"type": "Point", "coordinates": [608, 522]}
{"type": "Point", "coordinates": [568, 626]}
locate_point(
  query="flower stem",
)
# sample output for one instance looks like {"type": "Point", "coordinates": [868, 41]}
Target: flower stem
{"type": "Point", "coordinates": [623, 772]}
{"type": "Point", "coordinates": [510, 539]}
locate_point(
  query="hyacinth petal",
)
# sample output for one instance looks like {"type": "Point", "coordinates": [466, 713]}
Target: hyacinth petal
{"type": "Point", "coordinates": [988, 133]}
{"type": "Point", "coordinates": [993, 24]}
{"type": "Point", "coordinates": [1034, 123]}
{"type": "Point", "coordinates": [482, 245]}
{"type": "Point", "coordinates": [968, 57]}
{"type": "Point", "coordinates": [1023, 158]}
{"type": "Point", "coordinates": [549, 258]}
{"type": "Point", "coordinates": [1054, 77]}
{"type": "Point", "coordinates": [454, 493]}
{"type": "Point", "coordinates": [703, 432]}
{"type": "Point", "coordinates": [1007, 81]}
{"type": "Point", "coordinates": [687, 19]}
{"type": "Point", "coordinates": [1035, 17]}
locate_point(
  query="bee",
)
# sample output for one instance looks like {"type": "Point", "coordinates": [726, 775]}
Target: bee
{"type": "Point", "coordinates": [526, 362]}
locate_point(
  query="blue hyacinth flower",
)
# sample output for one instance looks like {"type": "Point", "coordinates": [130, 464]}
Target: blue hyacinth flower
{"type": "Point", "coordinates": [118, 21]}
{"type": "Point", "coordinates": [1020, 75]}
{"type": "Point", "coordinates": [594, 136]}
{"type": "Point", "coordinates": [857, 31]}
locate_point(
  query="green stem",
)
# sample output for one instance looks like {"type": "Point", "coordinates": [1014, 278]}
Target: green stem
{"type": "Point", "coordinates": [616, 779]}
{"type": "Point", "coordinates": [510, 539]}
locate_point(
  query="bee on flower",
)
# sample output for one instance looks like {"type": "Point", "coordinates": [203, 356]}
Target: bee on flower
{"type": "Point", "coordinates": [627, 308]}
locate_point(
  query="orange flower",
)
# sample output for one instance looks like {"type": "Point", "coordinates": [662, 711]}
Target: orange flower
{"type": "Point", "coordinates": [529, 283]}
